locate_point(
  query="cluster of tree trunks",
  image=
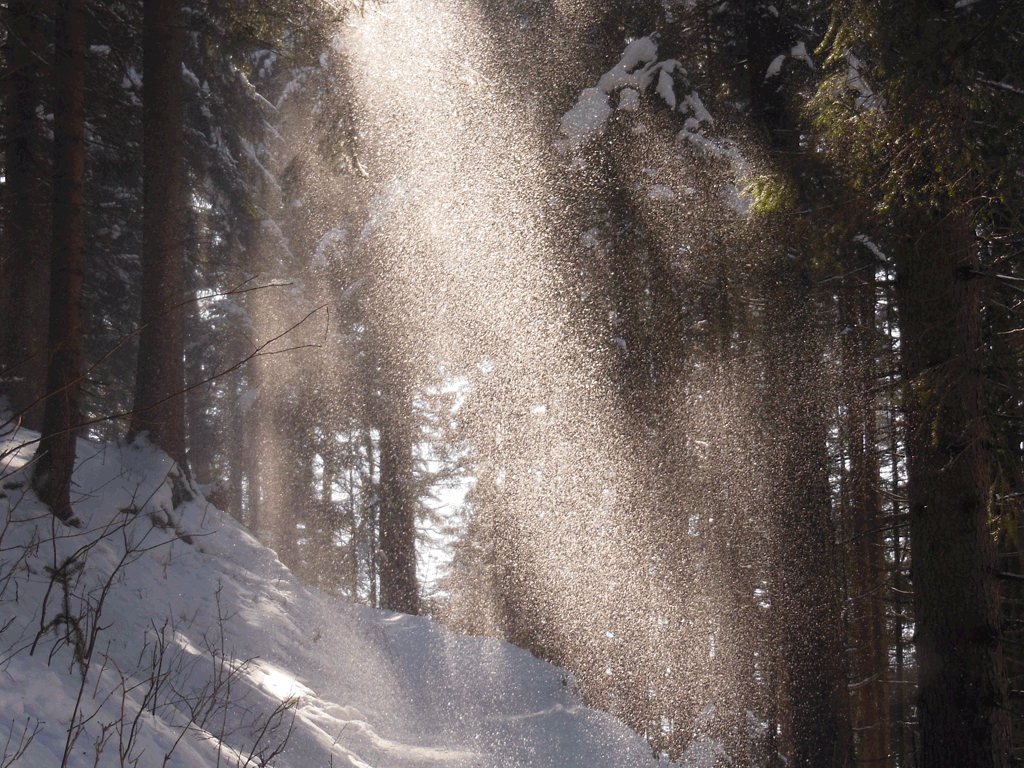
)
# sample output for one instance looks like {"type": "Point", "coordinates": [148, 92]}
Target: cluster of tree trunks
{"type": "Point", "coordinates": [159, 398]}
{"type": "Point", "coordinates": [26, 255]}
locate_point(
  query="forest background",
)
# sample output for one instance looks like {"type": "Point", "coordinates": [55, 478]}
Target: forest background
{"type": "Point", "coordinates": [690, 331]}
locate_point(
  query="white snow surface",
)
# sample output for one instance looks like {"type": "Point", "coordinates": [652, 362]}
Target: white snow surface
{"type": "Point", "coordinates": [775, 67]}
{"type": "Point", "coordinates": [661, 192]}
{"type": "Point", "coordinates": [629, 99]}
{"type": "Point", "coordinates": [588, 118]}
{"type": "Point", "coordinates": [370, 688]}
{"type": "Point", "coordinates": [867, 99]}
{"type": "Point", "coordinates": [799, 52]}
{"type": "Point", "coordinates": [633, 75]}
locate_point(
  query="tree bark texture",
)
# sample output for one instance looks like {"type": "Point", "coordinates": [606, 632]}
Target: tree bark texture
{"type": "Point", "coordinates": [862, 511]}
{"type": "Point", "coordinates": [159, 402]}
{"type": "Point", "coordinates": [962, 688]}
{"type": "Point", "coordinates": [399, 589]}
{"type": "Point", "coordinates": [275, 462]}
{"type": "Point", "coordinates": [26, 261]}
{"type": "Point", "coordinates": [55, 455]}
{"type": "Point", "coordinates": [804, 587]}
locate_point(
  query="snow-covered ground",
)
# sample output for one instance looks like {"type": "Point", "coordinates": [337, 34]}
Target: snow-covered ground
{"type": "Point", "coordinates": [199, 648]}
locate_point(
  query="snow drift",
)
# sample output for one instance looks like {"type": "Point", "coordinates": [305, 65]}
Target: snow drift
{"type": "Point", "coordinates": [163, 634]}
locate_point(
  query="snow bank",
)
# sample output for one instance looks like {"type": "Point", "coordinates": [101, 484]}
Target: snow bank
{"type": "Point", "coordinates": [199, 648]}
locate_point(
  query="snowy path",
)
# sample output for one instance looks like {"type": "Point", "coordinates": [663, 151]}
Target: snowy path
{"type": "Point", "coordinates": [373, 688]}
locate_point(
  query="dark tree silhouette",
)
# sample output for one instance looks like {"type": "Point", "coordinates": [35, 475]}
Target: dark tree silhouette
{"type": "Point", "coordinates": [55, 455]}
{"type": "Point", "coordinates": [159, 404]}
{"type": "Point", "coordinates": [25, 257]}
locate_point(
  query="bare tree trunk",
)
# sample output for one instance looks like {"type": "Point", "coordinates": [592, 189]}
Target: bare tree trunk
{"type": "Point", "coordinates": [399, 590]}
{"type": "Point", "coordinates": [236, 459]}
{"type": "Point", "coordinates": [962, 688]}
{"type": "Point", "coordinates": [159, 404]}
{"type": "Point", "coordinates": [26, 264]}
{"type": "Point", "coordinates": [296, 493]}
{"type": "Point", "coordinates": [370, 522]}
{"type": "Point", "coordinates": [55, 455]}
{"type": "Point", "coordinates": [804, 589]}
{"type": "Point", "coordinates": [253, 513]}
{"type": "Point", "coordinates": [866, 583]}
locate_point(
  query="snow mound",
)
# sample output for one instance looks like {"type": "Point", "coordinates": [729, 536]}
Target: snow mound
{"type": "Point", "coordinates": [161, 633]}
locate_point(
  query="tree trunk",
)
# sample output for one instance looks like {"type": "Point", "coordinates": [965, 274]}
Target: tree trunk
{"type": "Point", "coordinates": [962, 688]}
{"type": "Point", "coordinates": [866, 587]}
{"type": "Point", "coordinates": [236, 459]}
{"type": "Point", "coordinates": [399, 590]}
{"type": "Point", "coordinates": [26, 263]}
{"type": "Point", "coordinates": [273, 453]}
{"type": "Point", "coordinates": [55, 455]}
{"type": "Point", "coordinates": [159, 404]}
{"type": "Point", "coordinates": [295, 473]}
{"type": "Point", "coordinates": [252, 514]}
{"type": "Point", "coordinates": [804, 588]}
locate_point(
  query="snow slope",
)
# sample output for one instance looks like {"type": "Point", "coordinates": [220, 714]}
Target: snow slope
{"type": "Point", "coordinates": [206, 651]}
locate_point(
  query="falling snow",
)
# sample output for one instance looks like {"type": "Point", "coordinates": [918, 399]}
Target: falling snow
{"type": "Point", "coordinates": [359, 687]}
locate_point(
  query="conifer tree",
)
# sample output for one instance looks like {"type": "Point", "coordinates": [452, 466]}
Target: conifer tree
{"type": "Point", "coordinates": [159, 401]}
{"type": "Point", "coordinates": [915, 117]}
{"type": "Point", "coordinates": [55, 454]}
{"type": "Point", "coordinates": [25, 258]}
